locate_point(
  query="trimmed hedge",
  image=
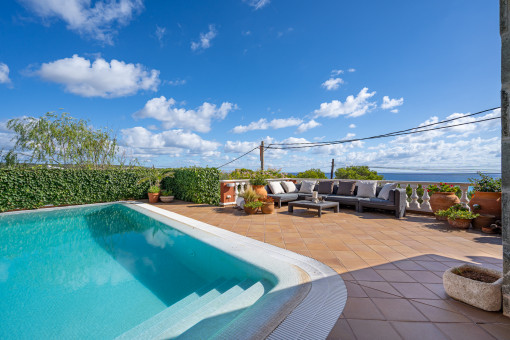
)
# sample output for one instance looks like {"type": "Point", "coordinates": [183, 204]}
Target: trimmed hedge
{"type": "Point", "coordinates": [198, 185]}
{"type": "Point", "coordinates": [36, 187]}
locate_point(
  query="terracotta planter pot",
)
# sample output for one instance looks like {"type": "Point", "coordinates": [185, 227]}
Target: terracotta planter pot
{"type": "Point", "coordinates": [489, 230]}
{"type": "Point", "coordinates": [153, 197]}
{"type": "Point", "coordinates": [166, 199]}
{"type": "Point", "coordinates": [460, 223]}
{"type": "Point", "coordinates": [250, 211]}
{"type": "Point", "coordinates": [441, 218]}
{"type": "Point", "coordinates": [483, 221]}
{"type": "Point", "coordinates": [489, 202]}
{"type": "Point", "coordinates": [443, 200]}
{"type": "Point", "coordinates": [267, 208]}
{"type": "Point", "coordinates": [260, 190]}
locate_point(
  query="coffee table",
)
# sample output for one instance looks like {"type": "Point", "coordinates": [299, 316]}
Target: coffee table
{"type": "Point", "coordinates": [317, 206]}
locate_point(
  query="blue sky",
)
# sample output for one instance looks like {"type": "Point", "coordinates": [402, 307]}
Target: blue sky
{"type": "Point", "coordinates": [201, 82]}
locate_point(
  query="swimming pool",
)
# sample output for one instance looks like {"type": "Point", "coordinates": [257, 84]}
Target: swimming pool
{"type": "Point", "coordinates": [132, 271]}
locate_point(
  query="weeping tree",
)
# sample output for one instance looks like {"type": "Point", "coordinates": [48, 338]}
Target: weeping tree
{"type": "Point", "coordinates": [59, 139]}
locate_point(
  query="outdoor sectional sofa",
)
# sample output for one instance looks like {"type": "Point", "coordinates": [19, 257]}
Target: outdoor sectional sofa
{"type": "Point", "coordinates": [396, 201]}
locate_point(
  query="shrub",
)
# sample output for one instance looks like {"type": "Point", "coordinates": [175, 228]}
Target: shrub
{"type": "Point", "coordinates": [254, 204]}
{"type": "Point", "coordinates": [249, 195]}
{"type": "Point", "coordinates": [153, 189]}
{"type": "Point", "coordinates": [357, 172]}
{"type": "Point", "coordinates": [312, 173]}
{"type": "Point", "coordinates": [167, 192]}
{"type": "Point", "coordinates": [486, 183]}
{"type": "Point", "coordinates": [194, 184]}
{"type": "Point", "coordinates": [441, 187]}
{"type": "Point", "coordinates": [462, 215]}
{"type": "Point", "coordinates": [258, 178]}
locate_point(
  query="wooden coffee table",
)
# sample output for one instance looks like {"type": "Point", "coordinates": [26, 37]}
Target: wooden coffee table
{"type": "Point", "coordinates": [317, 206]}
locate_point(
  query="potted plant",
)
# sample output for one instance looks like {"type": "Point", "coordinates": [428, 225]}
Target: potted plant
{"type": "Point", "coordinates": [477, 286]}
{"type": "Point", "coordinates": [153, 193]}
{"type": "Point", "coordinates": [249, 195]}
{"type": "Point", "coordinates": [155, 178]}
{"type": "Point", "coordinates": [268, 207]}
{"type": "Point", "coordinates": [461, 218]}
{"type": "Point", "coordinates": [487, 195]}
{"type": "Point", "coordinates": [442, 215]}
{"type": "Point", "coordinates": [442, 196]}
{"type": "Point", "coordinates": [252, 207]}
{"type": "Point", "coordinates": [166, 196]}
{"type": "Point", "coordinates": [258, 182]}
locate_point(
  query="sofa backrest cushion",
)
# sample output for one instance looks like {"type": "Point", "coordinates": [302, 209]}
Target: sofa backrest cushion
{"type": "Point", "coordinates": [385, 191]}
{"type": "Point", "coordinates": [367, 189]}
{"type": "Point", "coordinates": [307, 187]}
{"type": "Point", "coordinates": [326, 187]}
{"type": "Point", "coordinates": [346, 188]}
{"type": "Point", "coordinates": [276, 188]}
{"type": "Point", "coordinates": [289, 187]}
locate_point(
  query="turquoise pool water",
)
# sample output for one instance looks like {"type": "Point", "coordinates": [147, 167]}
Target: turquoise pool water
{"type": "Point", "coordinates": [104, 271]}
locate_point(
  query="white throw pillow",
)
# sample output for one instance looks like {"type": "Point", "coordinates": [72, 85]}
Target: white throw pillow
{"type": "Point", "coordinates": [385, 191]}
{"type": "Point", "coordinates": [276, 188]}
{"type": "Point", "coordinates": [289, 187]}
{"type": "Point", "coordinates": [366, 189]}
{"type": "Point", "coordinates": [307, 187]}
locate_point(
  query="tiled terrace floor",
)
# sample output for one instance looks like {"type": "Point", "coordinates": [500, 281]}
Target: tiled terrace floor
{"type": "Point", "coordinates": [392, 268]}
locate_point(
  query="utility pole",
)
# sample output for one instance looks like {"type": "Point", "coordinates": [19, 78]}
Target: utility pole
{"type": "Point", "coordinates": [332, 168]}
{"type": "Point", "coordinates": [504, 30]}
{"type": "Point", "coordinates": [262, 156]}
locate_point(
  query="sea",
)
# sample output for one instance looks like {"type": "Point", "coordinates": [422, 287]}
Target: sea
{"type": "Point", "coordinates": [430, 177]}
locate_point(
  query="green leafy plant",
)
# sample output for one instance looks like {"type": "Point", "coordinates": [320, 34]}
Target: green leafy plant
{"type": "Point", "coordinates": [486, 183]}
{"type": "Point", "coordinates": [462, 215]}
{"type": "Point", "coordinates": [195, 184]}
{"type": "Point", "coordinates": [357, 172]}
{"type": "Point", "coordinates": [248, 174]}
{"type": "Point", "coordinates": [443, 213]}
{"type": "Point", "coordinates": [258, 178]}
{"type": "Point", "coordinates": [155, 178]}
{"type": "Point", "coordinates": [266, 200]}
{"type": "Point", "coordinates": [167, 192]}
{"type": "Point", "coordinates": [250, 195]}
{"type": "Point", "coordinates": [254, 204]}
{"type": "Point", "coordinates": [441, 187]}
{"type": "Point", "coordinates": [154, 189]}
{"type": "Point", "coordinates": [312, 173]}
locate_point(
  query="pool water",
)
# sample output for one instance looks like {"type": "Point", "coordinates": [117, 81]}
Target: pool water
{"type": "Point", "coordinates": [106, 271]}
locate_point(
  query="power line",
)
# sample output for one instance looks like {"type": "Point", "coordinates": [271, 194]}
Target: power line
{"type": "Point", "coordinates": [238, 157]}
{"type": "Point", "coordinates": [391, 134]}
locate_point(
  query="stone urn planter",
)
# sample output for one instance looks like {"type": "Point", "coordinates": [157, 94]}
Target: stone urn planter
{"type": "Point", "coordinates": [267, 208]}
{"type": "Point", "coordinates": [460, 223]}
{"type": "Point", "coordinates": [483, 221]}
{"type": "Point", "coordinates": [489, 202]}
{"type": "Point", "coordinates": [443, 200]}
{"type": "Point", "coordinates": [477, 286]}
{"type": "Point", "coordinates": [153, 197]}
{"type": "Point", "coordinates": [250, 211]}
{"type": "Point", "coordinates": [260, 190]}
{"type": "Point", "coordinates": [166, 199]}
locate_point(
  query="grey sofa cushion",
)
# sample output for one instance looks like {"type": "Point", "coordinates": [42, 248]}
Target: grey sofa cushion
{"type": "Point", "coordinates": [307, 187]}
{"type": "Point", "coordinates": [346, 188]}
{"type": "Point", "coordinates": [344, 199]}
{"type": "Point", "coordinates": [326, 187]}
{"type": "Point", "coordinates": [367, 189]}
{"type": "Point", "coordinates": [285, 197]}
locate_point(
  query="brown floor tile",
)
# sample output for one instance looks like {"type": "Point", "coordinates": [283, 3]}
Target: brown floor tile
{"type": "Point", "coordinates": [395, 275]}
{"type": "Point", "coordinates": [398, 310]}
{"type": "Point", "coordinates": [418, 331]}
{"type": "Point", "coordinates": [464, 331]}
{"type": "Point", "coordinates": [361, 308]}
{"type": "Point", "coordinates": [354, 290]}
{"type": "Point", "coordinates": [423, 276]}
{"type": "Point", "coordinates": [435, 314]}
{"type": "Point", "coordinates": [367, 274]}
{"type": "Point", "coordinates": [341, 330]}
{"type": "Point", "coordinates": [373, 329]}
{"type": "Point", "coordinates": [414, 291]}
{"type": "Point", "coordinates": [498, 331]}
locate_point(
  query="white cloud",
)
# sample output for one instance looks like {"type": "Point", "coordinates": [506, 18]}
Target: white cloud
{"type": "Point", "coordinates": [160, 34]}
{"type": "Point", "coordinates": [205, 39]}
{"type": "Point", "coordinates": [176, 82]}
{"type": "Point", "coordinates": [307, 126]}
{"type": "Point", "coordinates": [264, 124]}
{"type": "Point", "coordinates": [98, 20]}
{"type": "Point", "coordinates": [336, 72]}
{"type": "Point", "coordinates": [391, 103]}
{"type": "Point", "coordinates": [257, 4]}
{"type": "Point", "coordinates": [351, 70]}
{"type": "Point", "coordinates": [164, 110]}
{"type": "Point", "coordinates": [173, 142]}
{"type": "Point", "coordinates": [4, 74]}
{"type": "Point", "coordinates": [352, 107]}
{"type": "Point", "coordinates": [239, 147]}
{"type": "Point", "coordinates": [352, 126]}
{"type": "Point", "coordinates": [100, 78]}
{"type": "Point", "coordinates": [332, 83]}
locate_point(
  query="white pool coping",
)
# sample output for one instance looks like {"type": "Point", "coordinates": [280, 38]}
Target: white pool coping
{"type": "Point", "coordinates": [317, 303]}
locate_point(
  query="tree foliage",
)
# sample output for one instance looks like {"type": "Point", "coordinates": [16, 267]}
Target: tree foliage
{"type": "Point", "coordinates": [59, 139]}
{"type": "Point", "coordinates": [312, 173]}
{"type": "Point", "coordinates": [357, 172]}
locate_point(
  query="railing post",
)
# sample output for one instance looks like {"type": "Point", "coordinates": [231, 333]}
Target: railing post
{"type": "Point", "coordinates": [414, 198]}
{"type": "Point", "coordinates": [425, 205]}
{"type": "Point", "coordinates": [464, 200]}
{"type": "Point", "coordinates": [236, 192]}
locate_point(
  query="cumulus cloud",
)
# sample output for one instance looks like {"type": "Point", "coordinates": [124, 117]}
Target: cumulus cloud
{"type": "Point", "coordinates": [391, 103]}
{"type": "Point", "coordinates": [257, 4]}
{"type": "Point", "coordinates": [307, 126]}
{"type": "Point", "coordinates": [4, 74]}
{"type": "Point", "coordinates": [264, 124]}
{"type": "Point", "coordinates": [174, 142]}
{"type": "Point", "coordinates": [351, 70]}
{"type": "Point", "coordinates": [100, 78]}
{"type": "Point", "coordinates": [332, 83]}
{"type": "Point", "coordinates": [239, 147]}
{"type": "Point", "coordinates": [99, 20]}
{"type": "Point", "coordinates": [164, 110]}
{"type": "Point", "coordinates": [352, 126]}
{"type": "Point", "coordinates": [352, 107]}
{"type": "Point", "coordinates": [205, 39]}
{"type": "Point", "coordinates": [336, 72]}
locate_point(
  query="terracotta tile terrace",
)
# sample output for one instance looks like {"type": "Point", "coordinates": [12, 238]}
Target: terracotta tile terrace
{"type": "Point", "coordinates": [392, 268]}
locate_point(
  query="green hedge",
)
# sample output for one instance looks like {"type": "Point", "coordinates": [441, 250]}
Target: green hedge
{"type": "Point", "coordinates": [198, 185]}
{"type": "Point", "coordinates": [36, 187]}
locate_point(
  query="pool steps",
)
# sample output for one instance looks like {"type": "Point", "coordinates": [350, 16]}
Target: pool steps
{"type": "Point", "coordinates": [214, 306]}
